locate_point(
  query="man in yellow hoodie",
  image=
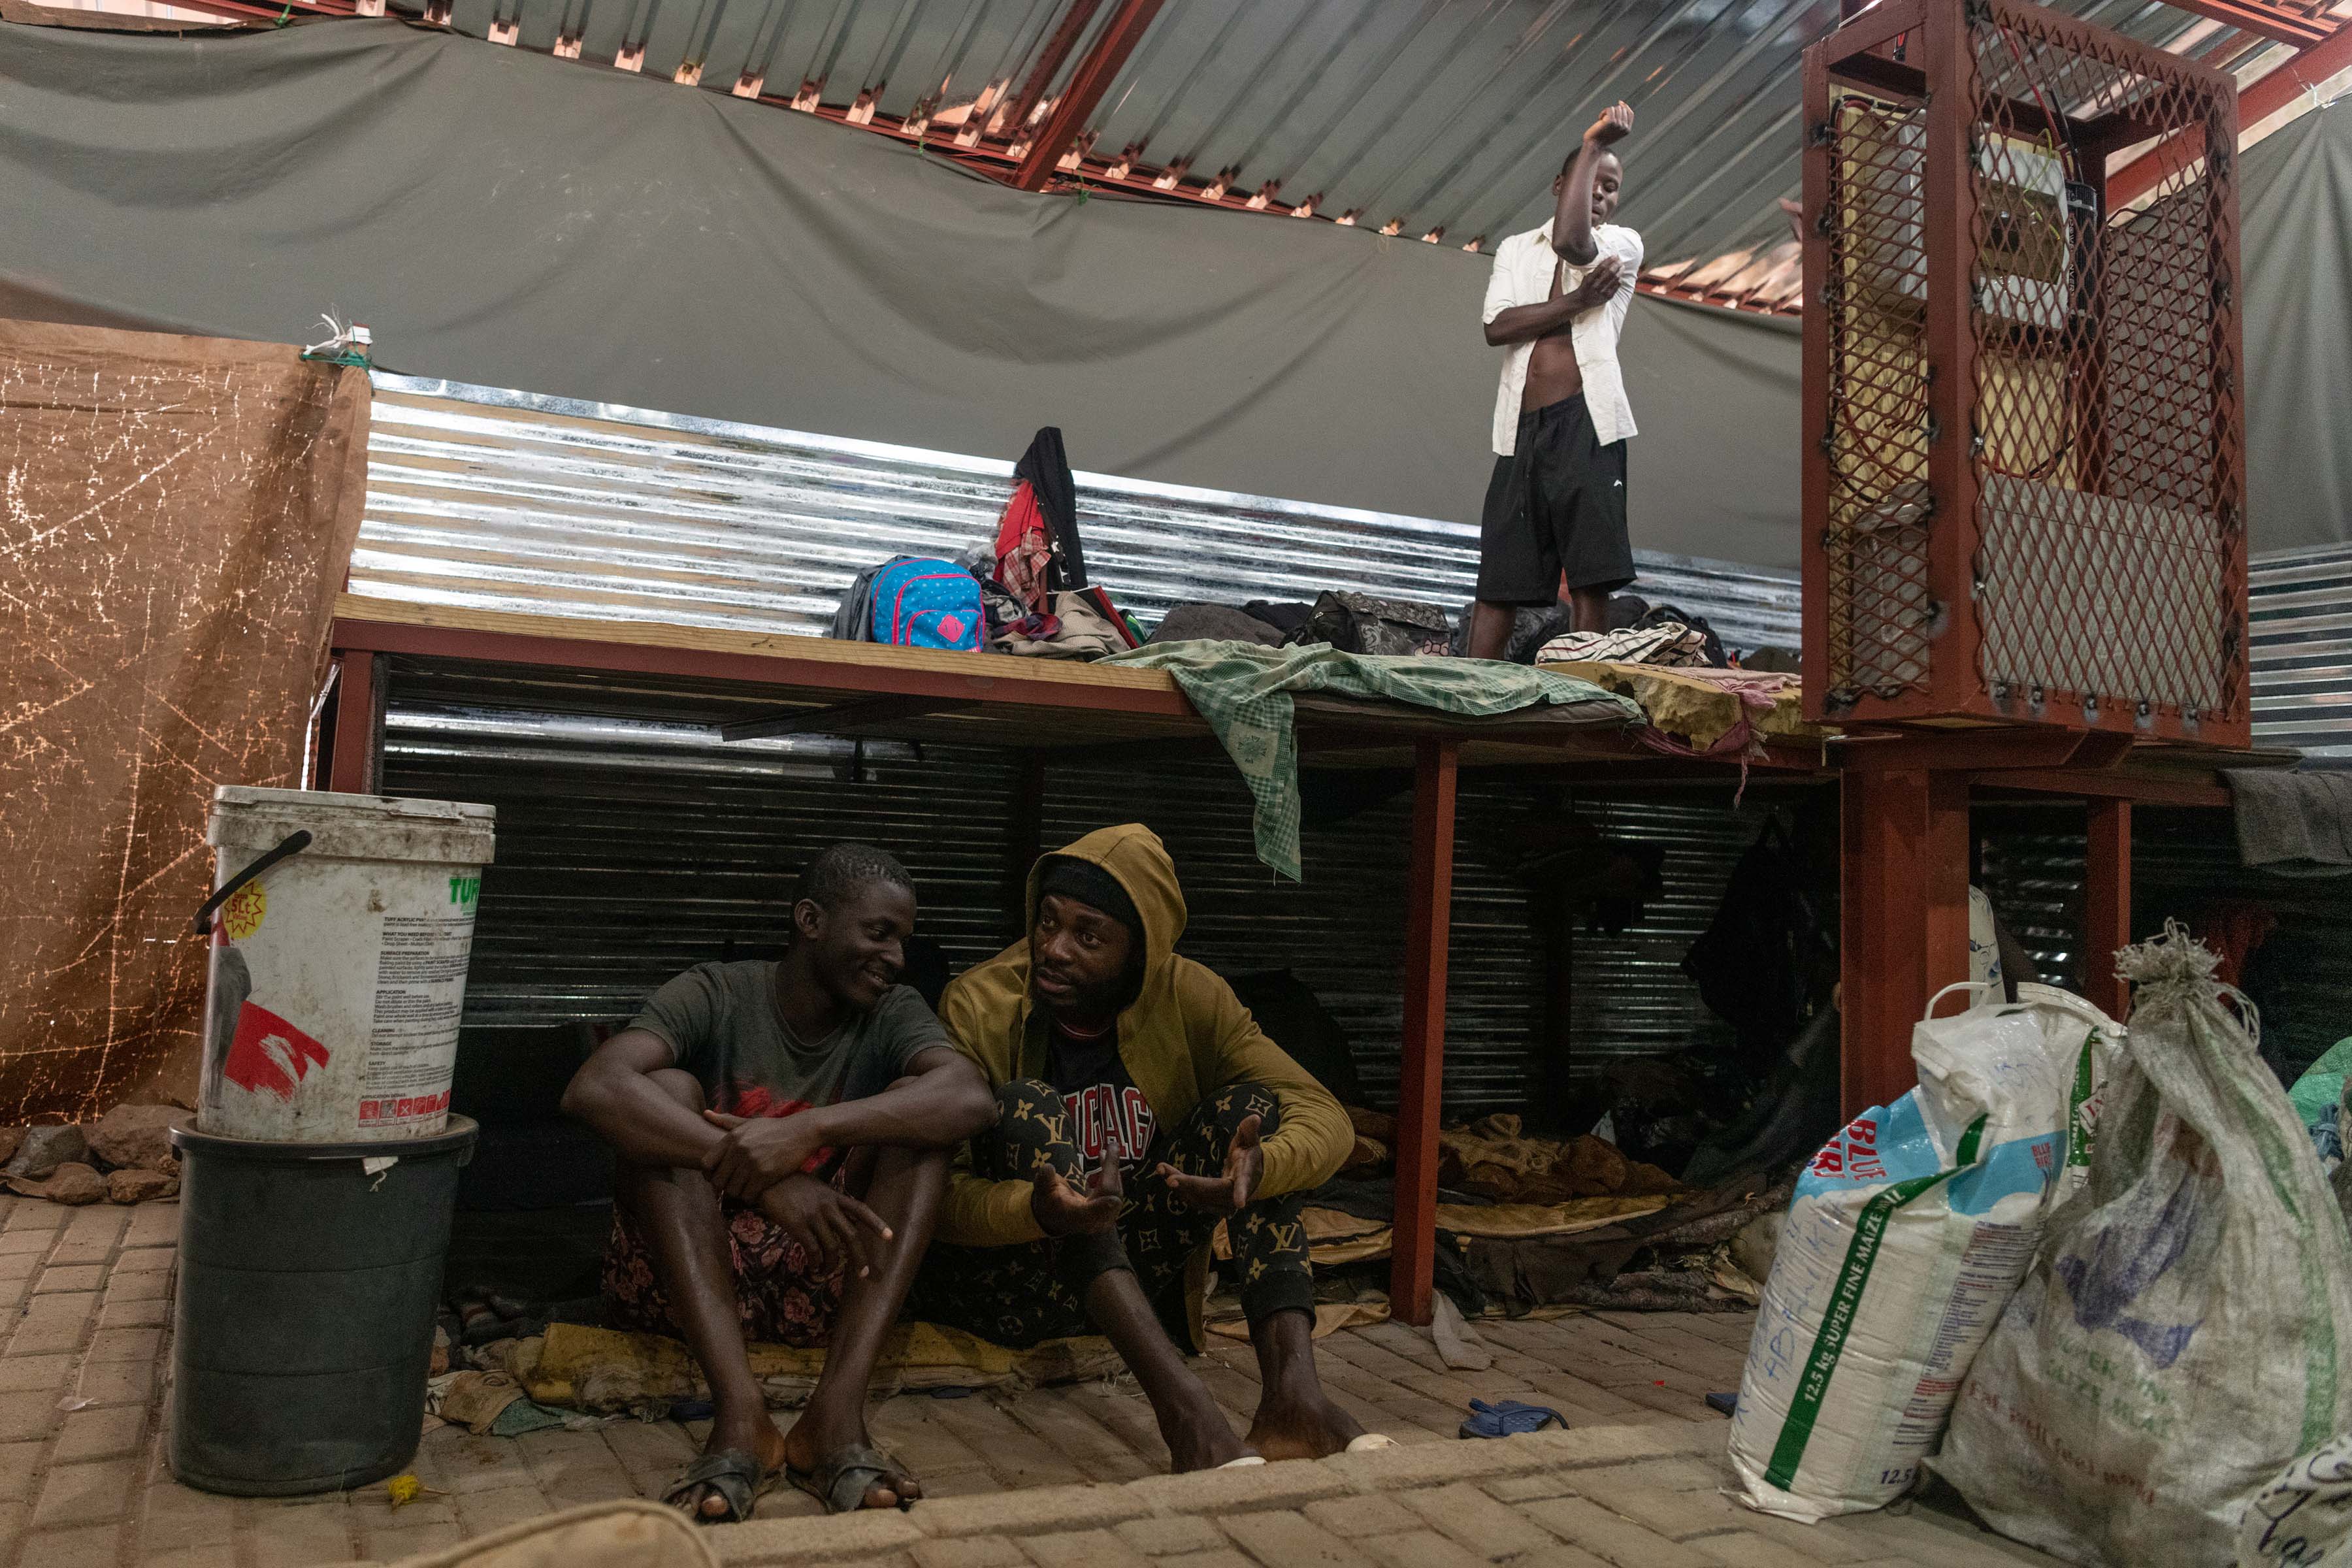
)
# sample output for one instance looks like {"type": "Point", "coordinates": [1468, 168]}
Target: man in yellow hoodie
{"type": "Point", "coordinates": [1139, 1106]}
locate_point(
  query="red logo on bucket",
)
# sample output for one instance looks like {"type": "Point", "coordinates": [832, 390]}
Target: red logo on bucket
{"type": "Point", "coordinates": [403, 1109]}
{"type": "Point", "coordinates": [268, 1055]}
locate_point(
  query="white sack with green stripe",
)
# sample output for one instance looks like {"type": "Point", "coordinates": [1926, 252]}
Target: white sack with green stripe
{"type": "Point", "coordinates": [2186, 1329]}
{"type": "Point", "coordinates": [1906, 1235]}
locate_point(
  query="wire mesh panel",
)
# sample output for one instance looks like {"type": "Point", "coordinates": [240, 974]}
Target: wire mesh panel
{"type": "Point", "coordinates": [1876, 303]}
{"type": "Point", "coordinates": [2027, 465]}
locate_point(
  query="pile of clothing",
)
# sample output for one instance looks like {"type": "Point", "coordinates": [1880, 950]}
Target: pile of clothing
{"type": "Point", "coordinates": [1350, 622]}
{"type": "Point", "coordinates": [1025, 595]}
{"type": "Point", "coordinates": [1491, 1158]}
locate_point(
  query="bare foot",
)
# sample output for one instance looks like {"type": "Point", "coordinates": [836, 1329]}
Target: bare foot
{"type": "Point", "coordinates": [1301, 1424]}
{"type": "Point", "coordinates": [750, 1431]}
{"type": "Point", "coordinates": [1201, 1439]}
{"type": "Point", "coordinates": [818, 1435]}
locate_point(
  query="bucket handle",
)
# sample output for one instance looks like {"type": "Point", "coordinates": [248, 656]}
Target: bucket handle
{"type": "Point", "coordinates": [293, 844]}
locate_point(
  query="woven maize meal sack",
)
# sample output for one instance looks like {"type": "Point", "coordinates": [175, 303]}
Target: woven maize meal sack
{"type": "Point", "coordinates": [2184, 1332]}
{"type": "Point", "coordinates": [2303, 1517]}
{"type": "Point", "coordinates": [1905, 1237]}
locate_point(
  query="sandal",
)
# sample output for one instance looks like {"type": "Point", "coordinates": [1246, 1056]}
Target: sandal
{"type": "Point", "coordinates": [734, 1474]}
{"type": "Point", "coordinates": [843, 1478]}
{"type": "Point", "coordinates": [1509, 1418]}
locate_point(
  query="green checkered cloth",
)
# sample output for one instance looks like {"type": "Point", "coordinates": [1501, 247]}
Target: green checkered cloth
{"type": "Point", "coordinates": [1244, 692]}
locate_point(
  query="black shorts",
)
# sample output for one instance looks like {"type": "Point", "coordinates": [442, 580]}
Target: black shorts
{"type": "Point", "coordinates": [1557, 506]}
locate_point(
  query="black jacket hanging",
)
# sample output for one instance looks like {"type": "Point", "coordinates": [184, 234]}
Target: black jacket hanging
{"type": "Point", "coordinates": [1046, 469]}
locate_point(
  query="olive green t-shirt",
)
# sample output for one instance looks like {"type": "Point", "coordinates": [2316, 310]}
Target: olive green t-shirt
{"type": "Point", "coordinates": [721, 1022]}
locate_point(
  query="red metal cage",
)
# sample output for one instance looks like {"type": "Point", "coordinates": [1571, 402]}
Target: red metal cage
{"type": "Point", "coordinates": [2024, 462]}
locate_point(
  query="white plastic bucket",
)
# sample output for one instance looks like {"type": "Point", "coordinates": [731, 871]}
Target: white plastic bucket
{"type": "Point", "coordinates": [338, 972]}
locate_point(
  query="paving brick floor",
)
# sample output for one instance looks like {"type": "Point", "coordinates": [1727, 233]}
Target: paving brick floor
{"type": "Point", "coordinates": [1056, 1476]}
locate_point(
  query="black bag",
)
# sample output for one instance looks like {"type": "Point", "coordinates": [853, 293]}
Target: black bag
{"type": "Point", "coordinates": [1768, 952]}
{"type": "Point", "coordinates": [1359, 622]}
{"type": "Point", "coordinates": [1294, 1017]}
{"type": "Point", "coordinates": [1665, 614]}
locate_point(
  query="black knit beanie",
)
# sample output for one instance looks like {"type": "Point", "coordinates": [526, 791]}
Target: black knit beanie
{"type": "Point", "coordinates": [1068, 877]}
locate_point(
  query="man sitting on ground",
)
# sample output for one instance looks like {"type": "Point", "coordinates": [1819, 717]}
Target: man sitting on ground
{"type": "Point", "coordinates": [783, 1130]}
{"type": "Point", "coordinates": [1141, 1105]}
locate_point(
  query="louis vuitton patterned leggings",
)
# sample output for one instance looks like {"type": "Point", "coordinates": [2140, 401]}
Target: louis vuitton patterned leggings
{"type": "Point", "coordinates": [1021, 1295]}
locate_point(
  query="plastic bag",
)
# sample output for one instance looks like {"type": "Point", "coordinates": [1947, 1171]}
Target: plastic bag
{"type": "Point", "coordinates": [1905, 1235]}
{"type": "Point", "coordinates": [2184, 1332]}
{"type": "Point", "coordinates": [2093, 1042]}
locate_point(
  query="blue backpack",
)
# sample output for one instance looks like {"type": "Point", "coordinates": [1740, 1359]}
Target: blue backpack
{"type": "Point", "coordinates": [924, 603]}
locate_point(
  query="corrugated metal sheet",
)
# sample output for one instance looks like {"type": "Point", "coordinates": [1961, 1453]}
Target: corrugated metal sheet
{"type": "Point", "coordinates": [2302, 637]}
{"type": "Point", "coordinates": [2032, 873]}
{"type": "Point", "coordinates": [496, 500]}
{"type": "Point", "coordinates": [2185, 867]}
{"type": "Point", "coordinates": [1442, 118]}
{"type": "Point", "coordinates": [1342, 931]}
{"type": "Point", "coordinates": [630, 849]}
{"type": "Point", "coordinates": [1630, 998]}
{"type": "Point", "coordinates": [633, 844]}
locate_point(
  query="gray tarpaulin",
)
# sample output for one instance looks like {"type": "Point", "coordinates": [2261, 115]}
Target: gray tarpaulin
{"type": "Point", "coordinates": [2297, 210]}
{"type": "Point", "coordinates": [499, 216]}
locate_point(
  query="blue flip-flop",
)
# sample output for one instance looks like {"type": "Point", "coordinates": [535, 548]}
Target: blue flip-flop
{"type": "Point", "coordinates": [1509, 1418]}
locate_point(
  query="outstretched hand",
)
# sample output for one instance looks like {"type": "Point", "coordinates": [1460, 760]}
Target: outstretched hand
{"type": "Point", "coordinates": [1230, 1192]}
{"type": "Point", "coordinates": [1062, 1209]}
{"type": "Point", "coordinates": [1616, 124]}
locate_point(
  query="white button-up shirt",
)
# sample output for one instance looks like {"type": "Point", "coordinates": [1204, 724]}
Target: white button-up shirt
{"type": "Point", "coordinates": [1523, 274]}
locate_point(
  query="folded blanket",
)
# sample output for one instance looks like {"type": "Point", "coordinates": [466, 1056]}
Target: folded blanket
{"type": "Point", "coordinates": [1244, 693]}
{"type": "Point", "coordinates": [2294, 823]}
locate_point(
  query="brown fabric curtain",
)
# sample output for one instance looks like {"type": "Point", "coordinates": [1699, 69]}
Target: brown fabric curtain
{"type": "Point", "coordinates": [176, 516]}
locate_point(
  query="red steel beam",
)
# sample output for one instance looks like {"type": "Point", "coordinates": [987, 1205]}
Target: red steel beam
{"type": "Point", "coordinates": [1904, 911]}
{"type": "Point", "coordinates": [1092, 78]}
{"type": "Point", "coordinates": [2255, 104]}
{"type": "Point", "coordinates": [2188, 790]}
{"type": "Point", "coordinates": [2108, 905]}
{"type": "Point", "coordinates": [253, 11]}
{"type": "Point", "coordinates": [1429, 923]}
{"type": "Point", "coordinates": [2277, 23]}
{"type": "Point", "coordinates": [352, 769]}
{"type": "Point", "coordinates": [1065, 37]}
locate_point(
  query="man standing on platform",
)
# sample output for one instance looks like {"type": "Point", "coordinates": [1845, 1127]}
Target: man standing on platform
{"type": "Point", "coordinates": [1139, 1106]}
{"type": "Point", "coordinates": [1556, 302]}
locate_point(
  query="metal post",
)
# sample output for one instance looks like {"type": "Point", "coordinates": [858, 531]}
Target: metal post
{"type": "Point", "coordinates": [1024, 830]}
{"type": "Point", "coordinates": [2108, 905]}
{"type": "Point", "coordinates": [1428, 910]}
{"type": "Point", "coordinates": [359, 721]}
{"type": "Point", "coordinates": [1820, 178]}
{"type": "Point", "coordinates": [1904, 872]}
{"type": "Point", "coordinates": [1947, 224]}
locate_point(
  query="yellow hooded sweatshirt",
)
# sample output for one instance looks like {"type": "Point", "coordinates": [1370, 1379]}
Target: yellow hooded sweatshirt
{"type": "Point", "coordinates": [1185, 1036]}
